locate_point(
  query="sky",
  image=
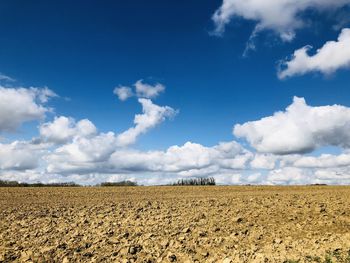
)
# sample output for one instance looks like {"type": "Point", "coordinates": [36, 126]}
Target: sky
{"type": "Point", "coordinates": [248, 92]}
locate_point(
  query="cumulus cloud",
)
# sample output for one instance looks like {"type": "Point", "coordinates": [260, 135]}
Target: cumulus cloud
{"type": "Point", "coordinates": [101, 155]}
{"type": "Point", "coordinates": [19, 105]}
{"type": "Point", "coordinates": [20, 155]}
{"type": "Point", "coordinates": [82, 155]}
{"type": "Point", "coordinates": [282, 16]}
{"type": "Point", "coordinates": [63, 129]}
{"type": "Point", "coordinates": [190, 159]}
{"type": "Point", "coordinates": [152, 115]}
{"type": "Point", "coordinates": [70, 150]}
{"type": "Point", "coordinates": [290, 176]}
{"type": "Point", "coordinates": [323, 161]}
{"type": "Point", "coordinates": [142, 90]}
{"type": "Point", "coordinates": [263, 161]}
{"type": "Point", "coordinates": [123, 93]}
{"type": "Point", "coordinates": [86, 151]}
{"type": "Point", "coordinates": [332, 56]}
{"type": "Point", "coordinates": [299, 129]}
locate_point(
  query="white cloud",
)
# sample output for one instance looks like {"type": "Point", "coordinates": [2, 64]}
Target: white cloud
{"type": "Point", "coordinates": [323, 161]}
{"type": "Point", "coordinates": [69, 150]}
{"type": "Point", "coordinates": [263, 161]}
{"type": "Point", "coordinates": [144, 90]}
{"type": "Point", "coordinates": [101, 155]}
{"type": "Point", "coordinates": [82, 155]}
{"type": "Point", "coordinates": [290, 176]}
{"type": "Point", "coordinates": [63, 129]}
{"type": "Point", "coordinates": [332, 56]}
{"type": "Point", "coordinates": [123, 93]}
{"type": "Point", "coordinates": [44, 94]}
{"type": "Point", "coordinates": [301, 128]}
{"type": "Point", "coordinates": [187, 160]}
{"type": "Point", "coordinates": [20, 155]}
{"type": "Point", "coordinates": [19, 105]}
{"type": "Point", "coordinates": [85, 151]}
{"type": "Point", "coordinates": [152, 115]}
{"type": "Point", "coordinates": [6, 78]}
{"type": "Point", "coordinates": [282, 16]}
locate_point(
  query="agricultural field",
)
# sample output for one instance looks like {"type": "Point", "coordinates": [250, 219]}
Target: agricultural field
{"type": "Point", "coordinates": [175, 224]}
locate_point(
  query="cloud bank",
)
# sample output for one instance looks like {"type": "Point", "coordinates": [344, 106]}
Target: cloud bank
{"type": "Point", "coordinates": [75, 150]}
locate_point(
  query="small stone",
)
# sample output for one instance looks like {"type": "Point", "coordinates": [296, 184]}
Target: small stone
{"type": "Point", "coordinates": [132, 250]}
{"type": "Point", "coordinates": [186, 230]}
{"type": "Point", "coordinates": [172, 257]}
{"type": "Point", "coordinates": [238, 219]}
{"type": "Point", "coordinates": [202, 233]}
{"type": "Point", "coordinates": [322, 210]}
{"type": "Point", "coordinates": [278, 241]}
{"type": "Point", "coordinates": [164, 243]}
{"type": "Point", "coordinates": [203, 253]}
{"type": "Point", "coordinates": [227, 260]}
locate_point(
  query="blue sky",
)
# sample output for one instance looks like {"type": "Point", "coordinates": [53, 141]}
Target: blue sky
{"type": "Point", "coordinates": [83, 50]}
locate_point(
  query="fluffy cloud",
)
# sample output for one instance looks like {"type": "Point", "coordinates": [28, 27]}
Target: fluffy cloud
{"type": "Point", "coordinates": [281, 16]}
{"type": "Point", "coordinates": [20, 155]}
{"type": "Point", "coordinates": [142, 90]}
{"type": "Point", "coordinates": [19, 105]}
{"type": "Point", "coordinates": [190, 159]}
{"type": "Point", "coordinates": [299, 129]}
{"type": "Point", "coordinates": [85, 151]}
{"type": "Point", "coordinates": [290, 176]}
{"type": "Point", "coordinates": [332, 56]}
{"type": "Point", "coordinates": [63, 129]}
{"type": "Point", "coordinates": [82, 155]}
{"type": "Point", "coordinates": [323, 161]}
{"type": "Point", "coordinates": [123, 93]}
{"type": "Point", "coordinates": [101, 155]}
{"type": "Point", "coordinates": [69, 150]}
{"type": "Point", "coordinates": [152, 115]}
{"type": "Point", "coordinates": [263, 161]}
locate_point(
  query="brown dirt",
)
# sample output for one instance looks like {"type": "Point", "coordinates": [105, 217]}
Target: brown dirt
{"type": "Point", "coordinates": [175, 224]}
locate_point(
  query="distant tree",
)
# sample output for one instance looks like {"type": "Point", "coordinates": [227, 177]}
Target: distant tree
{"type": "Point", "coordinates": [121, 183]}
{"type": "Point", "coordinates": [196, 181]}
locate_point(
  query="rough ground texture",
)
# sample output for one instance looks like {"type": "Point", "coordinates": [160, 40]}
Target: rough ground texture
{"type": "Point", "coordinates": [175, 224]}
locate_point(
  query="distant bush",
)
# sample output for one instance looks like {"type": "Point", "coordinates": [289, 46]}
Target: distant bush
{"type": "Point", "coordinates": [5, 183]}
{"type": "Point", "coordinates": [121, 183]}
{"type": "Point", "coordinates": [196, 181]}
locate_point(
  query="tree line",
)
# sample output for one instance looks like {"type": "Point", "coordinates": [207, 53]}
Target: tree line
{"type": "Point", "coordinates": [5, 183]}
{"type": "Point", "coordinates": [189, 181]}
{"type": "Point", "coordinates": [196, 181]}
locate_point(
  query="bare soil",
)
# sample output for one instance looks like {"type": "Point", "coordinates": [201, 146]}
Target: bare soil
{"type": "Point", "coordinates": [175, 224]}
